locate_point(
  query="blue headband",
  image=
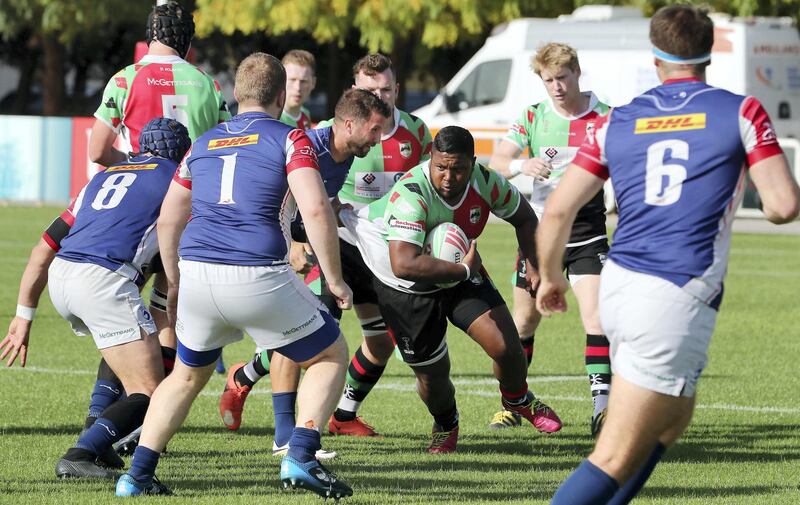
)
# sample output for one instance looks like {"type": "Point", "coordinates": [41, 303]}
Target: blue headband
{"type": "Point", "coordinates": [671, 58]}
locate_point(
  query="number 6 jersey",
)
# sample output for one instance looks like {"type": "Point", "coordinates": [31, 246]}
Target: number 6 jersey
{"type": "Point", "coordinates": [677, 156]}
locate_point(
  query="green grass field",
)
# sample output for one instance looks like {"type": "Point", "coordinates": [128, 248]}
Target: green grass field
{"type": "Point", "coordinates": [743, 447]}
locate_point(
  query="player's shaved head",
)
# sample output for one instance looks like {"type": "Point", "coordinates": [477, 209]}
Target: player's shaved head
{"type": "Point", "coordinates": [359, 105]}
{"type": "Point", "coordinates": [682, 30]}
{"type": "Point", "coordinates": [454, 140]}
{"type": "Point", "coordinates": [260, 79]}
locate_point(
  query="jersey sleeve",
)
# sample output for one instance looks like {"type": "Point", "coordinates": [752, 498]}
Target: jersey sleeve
{"type": "Point", "coordinates": [405, 215]}
{"type": "Point", "coordinates": [300, 151]}
{"type": "Point", "coordinates": [591, 155]}
{"type": "Point", "coordinates": [425, 140]}
{"type": "Point", "coordinates": [110, 109]}
{"type": "Point", "coordinates": [183, 175]}
{"type": "Point", "coordinates": [224, 113]}
{"type": "Point", "coordinates": [504, 197]}
{"type": "Point", "coordinates": [520, 132]}
{"type": "Point", "coordinates": [758, 135]}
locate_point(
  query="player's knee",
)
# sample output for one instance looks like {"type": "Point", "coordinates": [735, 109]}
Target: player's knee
{"type": "Point", "coordinates": [373, 327]}
{"type": "Point", "coordinates": [379, 348]}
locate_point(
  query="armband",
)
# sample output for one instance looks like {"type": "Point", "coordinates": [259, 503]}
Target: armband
{"type": "Point", "coordinates": [27, 313]}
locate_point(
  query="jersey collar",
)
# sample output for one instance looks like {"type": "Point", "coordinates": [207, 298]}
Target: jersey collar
{"type": "Point", "coordinates": [683, 79]}
{"type": "Point", "coordinates": [389, 135]}
{"type": "Point", "coordinates": [154, 58]}
{"type": "Point", "coordinates": [592, 104]}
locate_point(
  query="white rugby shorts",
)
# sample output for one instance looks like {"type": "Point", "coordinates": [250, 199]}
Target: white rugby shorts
{"type": "Point", "coordinates": [659, 334]}
{"type": "Point", "coordinates": [217, 303]}
{"type": "Point", "coordinates": [99, 302]}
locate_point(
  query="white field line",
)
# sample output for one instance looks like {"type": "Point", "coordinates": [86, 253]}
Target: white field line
{"type": "Point", "coordinates": [408, 387]}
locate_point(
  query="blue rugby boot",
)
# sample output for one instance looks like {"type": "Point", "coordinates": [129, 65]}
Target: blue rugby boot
{"type": "Point", "coordinates": [314, 477]}
{"type": "Point", "coordinates": [128, 486]}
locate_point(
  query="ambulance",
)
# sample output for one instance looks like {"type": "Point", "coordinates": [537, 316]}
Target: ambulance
{"type": "Point", "coordinates": [751, 56]}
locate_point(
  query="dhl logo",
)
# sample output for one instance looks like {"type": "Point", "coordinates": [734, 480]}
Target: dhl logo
{"type": "Point", "coordinates": [671, 123]}
{"type": "Point", "coordinates": [123, 168]}
{"type": "Point", "coordinates": [233, 142]}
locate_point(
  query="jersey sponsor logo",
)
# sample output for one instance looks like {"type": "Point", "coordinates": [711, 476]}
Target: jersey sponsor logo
{"type": "Point", "coordinates": [405, 149]}
{"type": "Point", "coordinates": [121, 82]}
{"type": "Point", "coordinates": [369, 178]}
{"type": "Point", "coordinates": [398, 176]}
{"type": "Point", "coordinates": [111, 103]}
{"type": "Point", "coordinates": [769, 132]}
{"type": "Point", "coordinates": [551, 152]}
{"type": "Point", "coordinates": [125, 168]}
{"type": "Point", "coordinates": [152, 81]}
{"type": "Point", "coordinates": [401, 224]}
{"type": "Point", "coordinates": [233, 142]}
{"type": "Point", "coordinates": [590, 129]}
{"type": "Point", "coordinates": [474, 215]}
{"type": "Point", "coordinates": [518, 129]}
{"type": "Point", "coordinates": [680, 122]}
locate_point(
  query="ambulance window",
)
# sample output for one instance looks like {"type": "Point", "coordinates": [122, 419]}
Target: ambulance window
{"type": "Point", "coordinates": [485, 85]}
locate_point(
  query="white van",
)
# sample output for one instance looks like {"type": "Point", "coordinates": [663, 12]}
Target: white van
{"type": "Point", "coordinates": [759, 57]}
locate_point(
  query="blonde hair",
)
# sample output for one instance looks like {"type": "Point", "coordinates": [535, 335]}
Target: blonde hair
{"type": "Point", "coordinates": [260, 78]}
{"type": "Point", "coordinates": [302, 58]}
{"type": "Point", "coordinates": [555, 55]}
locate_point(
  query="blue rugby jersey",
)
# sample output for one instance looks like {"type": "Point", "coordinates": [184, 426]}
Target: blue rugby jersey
{"type": "Point", "coordinates": [241, 204]}
{"type": "Point", "coordinates": [332, 172]}
{"type": "Point", "coordinates": [677, 156]}
{"type": "Point", "coordinates": [113, 219]}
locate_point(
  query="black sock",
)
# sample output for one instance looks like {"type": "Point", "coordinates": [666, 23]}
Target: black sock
{"type": "Point", "coordinates": [168, 355]}
{"type": "Point", "coordinates": [527, 348]}
{"type": "Point", "coordinates": [447, 420]}
{"type": "Point", "coordinates": [128, 414]}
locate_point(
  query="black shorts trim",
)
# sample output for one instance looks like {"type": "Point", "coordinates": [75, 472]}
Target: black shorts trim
{"type": "Point", "coordinates": [587, 259]}
{"type": "Point", "coordinates": [357, 274]}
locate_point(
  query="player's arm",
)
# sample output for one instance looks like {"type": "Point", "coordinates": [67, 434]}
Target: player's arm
{"type": "Point", "coordinates": [175, 212]}
{"type": "Point", "coordinates": [312, 201]}
{"type": "Point", "coordinates": [101, 145]}
{"type": "Point", "coordinates": [573, 192]}
{"type": "Point", "coordinates": [505, 152]}
{"type": "Point", "coordinates": [410, 264]}
{"type": "Point", "coordinates": [525, 222]}
{"type": "Point", "coordinates": [777, 188]}
{"type": "Point", "coordinates": [33, 281]}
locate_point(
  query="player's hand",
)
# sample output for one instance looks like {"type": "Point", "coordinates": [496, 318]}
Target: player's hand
{"type": "Point", "coordinates": [16, 342]}
{"type": "Point", "coordinates": [473, 258]}
{"type": "Point", "coordinates": [532, 279]}
{"type": "Point", "coordinates": [299, 259]}
{"type": "Point", "coordinates": [172, 305]}
{"type": "Point", "coordinates": [537, 168]}
{"type": "Point", "coordinates": [342, 292]}
{"type": "Point", "coordinates": [550, 296]}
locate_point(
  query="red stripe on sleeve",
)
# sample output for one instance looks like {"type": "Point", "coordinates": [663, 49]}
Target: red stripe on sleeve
{"type": "Point", "coordinates": [180, 180]}
{"type": "Point", "coordinates": [50, 242]}
{"type": "Point", "coordinates": [759, 137]}
{"type": "Point", "coordinates": [300, 152]}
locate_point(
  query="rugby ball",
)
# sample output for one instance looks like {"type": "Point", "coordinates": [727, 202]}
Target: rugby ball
{"type": "Point", "coordinates": [447, 242]}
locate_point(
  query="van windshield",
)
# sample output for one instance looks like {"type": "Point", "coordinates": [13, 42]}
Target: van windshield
{"type": "Point", "coordinates": [485, 85]}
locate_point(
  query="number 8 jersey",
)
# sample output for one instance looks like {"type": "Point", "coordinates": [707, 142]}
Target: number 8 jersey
{"type": "Point", "coordinates": [677, 156]}
{"type": "Point", "coordinates": [113, 219]}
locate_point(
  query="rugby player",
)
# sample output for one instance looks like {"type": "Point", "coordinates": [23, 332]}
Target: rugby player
{"type": "Point", "coordinates": [301, 79]}
{"type": "Point", "coordinates": [95, 265]}
{"type": "Point", "coordinates": [451, 187]}
{"type": "Point", "coordinates": [405, 143]}
{"type": "Point", "coordinates": [677, 156]}
{"type": "Point", "coordinates": [241, 183]}
{"type": "Point", "coordinates": [552, 131]}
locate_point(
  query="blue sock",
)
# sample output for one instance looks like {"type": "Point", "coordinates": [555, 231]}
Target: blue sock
{"type": "Point", "coordinates": [304, 444]}
{"type": "Point", "coordinates": [104, 394]}
{"type": "Point", "coordinates": [635, 483]}
{"type": "Point", "coordinates": [99, 436]}
{"type": "Point", "coordinates": [588, 485]}
{"type": "Point", "coordinates": [283, 408]}
{"type": "Point", "coordinates": [144, 463]}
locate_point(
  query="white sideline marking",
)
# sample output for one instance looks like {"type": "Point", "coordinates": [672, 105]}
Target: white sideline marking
{"type": "Point", "coordinates": [411, 388]}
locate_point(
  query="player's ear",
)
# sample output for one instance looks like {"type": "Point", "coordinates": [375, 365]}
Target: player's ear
{"type": "Point", "coordinates": [281, 101]}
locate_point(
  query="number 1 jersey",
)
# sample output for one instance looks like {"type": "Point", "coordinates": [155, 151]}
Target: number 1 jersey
{"type": "Point", "coordinates": [677, 156]}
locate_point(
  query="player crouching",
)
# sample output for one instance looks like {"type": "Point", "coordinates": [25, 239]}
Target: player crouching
{"type": "Point", "coordinates": [451, 187]}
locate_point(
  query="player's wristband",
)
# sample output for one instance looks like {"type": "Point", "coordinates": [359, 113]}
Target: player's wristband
{"type": "Point", "coordinates": [515, 167]}
{"type": "Point", "coordinates": [28, 312]}
{"type": "Point", "coordinates": [469, 273]}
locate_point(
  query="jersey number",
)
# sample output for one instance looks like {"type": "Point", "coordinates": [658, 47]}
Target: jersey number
{"type": "Point", "coordinates": [171, 105]}
{"type": "Point", "coordinates": [664, 181]}
{"type": "Point", "coordinates": [113, 190]}
{"type": "Point", "coordinates": [226, 182]}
